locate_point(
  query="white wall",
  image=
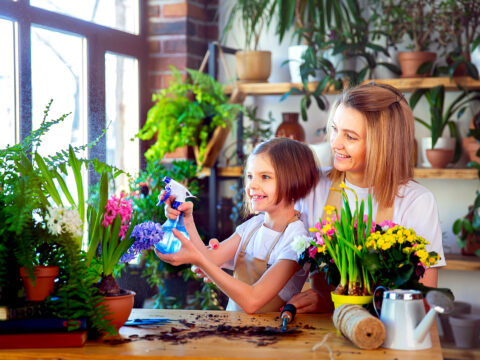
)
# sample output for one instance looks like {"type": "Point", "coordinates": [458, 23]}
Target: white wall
{"type": "Point", "coordinates": [453, 196]}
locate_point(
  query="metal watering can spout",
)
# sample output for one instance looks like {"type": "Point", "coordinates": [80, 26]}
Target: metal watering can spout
{"type": "Point", "coordinates": [439, 302]}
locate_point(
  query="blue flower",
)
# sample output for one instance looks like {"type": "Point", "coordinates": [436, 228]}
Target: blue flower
{"type": "Point", "coordinates": [146, 235]}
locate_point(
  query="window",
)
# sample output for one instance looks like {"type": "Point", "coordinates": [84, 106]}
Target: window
{"type": "Point", "coordinates": [117, 14]}
{"type": "Point", "coordinates": [121, 82]}
{"type": "Point", "coordinates": [73, 52]}
{"type": "Point", "coordinates": [8, 111]}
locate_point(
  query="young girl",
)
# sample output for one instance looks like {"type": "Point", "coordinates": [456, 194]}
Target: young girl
{"type": "Point", "coordinates": [266, 274]}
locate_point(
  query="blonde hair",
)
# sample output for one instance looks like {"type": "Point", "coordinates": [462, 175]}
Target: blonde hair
{"type": "Point", "coordinates": [294, 165]}
{"type": "Point", "coordinates": [390, 138]}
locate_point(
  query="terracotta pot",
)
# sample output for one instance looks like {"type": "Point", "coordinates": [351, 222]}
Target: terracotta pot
{"type": "Point", "coordinates": [461, 70]}
{"type": "Point", "coordinates": [439, 158]}
{"type": "Point", "coordinates": [465, 329]}
{"type": "Point", "coordinates": [290, 127]}
{"type": "Point", "coordinates": [410, 61]}
{"type": "Point", "coordinates": [119, 308]}
{"type": "Point", "coordinates": [42, 286]}
{"type": "Point", "coordinates": [214, 147]}
{"type": "Point", "coordinates": [472, 244]}
{"type": "Point", "coordinates": [470, 146]}
{"type": "Point", "coordinates": [253, 66]}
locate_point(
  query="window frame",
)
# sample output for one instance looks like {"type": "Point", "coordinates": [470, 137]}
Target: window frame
{"type": "Point", "coordinates": [100, 40]}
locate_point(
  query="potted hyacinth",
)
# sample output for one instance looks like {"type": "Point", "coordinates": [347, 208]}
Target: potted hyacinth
{"type": "Point", "coordinates": [115, 237]}
{"type": "Point", "coordinates": [359, 255]}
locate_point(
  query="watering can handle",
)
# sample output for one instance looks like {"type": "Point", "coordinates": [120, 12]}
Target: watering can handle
{"type": "Point", "coordinates": [375, 299]}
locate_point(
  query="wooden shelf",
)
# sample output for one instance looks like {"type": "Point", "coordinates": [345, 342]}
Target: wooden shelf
{"type": "Point", "coordinates": [405, 85]}
{"type": "Point", "coordinates": [462, 262]}
{"type": "Point", "coordinates": [420, 173]}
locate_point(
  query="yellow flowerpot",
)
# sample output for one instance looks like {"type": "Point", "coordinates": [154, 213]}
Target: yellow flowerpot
{"type": "Point", "coordinates": [351, 299]}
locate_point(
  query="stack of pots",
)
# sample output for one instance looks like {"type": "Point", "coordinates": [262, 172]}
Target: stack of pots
{"type": "Point", "coordinates": [461, 326]}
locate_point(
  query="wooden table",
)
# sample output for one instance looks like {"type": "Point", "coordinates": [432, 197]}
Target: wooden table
{"type": "Point", "coordinates": [313, 329]}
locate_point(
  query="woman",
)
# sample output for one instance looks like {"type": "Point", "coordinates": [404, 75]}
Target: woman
{"type": "Point", "coordinates": [371, 131]}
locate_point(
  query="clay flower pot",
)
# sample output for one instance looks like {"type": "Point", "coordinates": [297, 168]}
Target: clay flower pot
{"type": "Point", "coordinates": [410, 61]}
{"type": "Point", "coordinates": [439, 158]}
{"type": "Point", "coordinates": [253, 66]}
{"type": "Point", "coordinates": [42, 287]}
{"type": "Point", "coordinates": [290, 127]}
{"type": "Point", "coordinates": [119, 307]}
{"type": "Point", "coordinates": [465, 329]}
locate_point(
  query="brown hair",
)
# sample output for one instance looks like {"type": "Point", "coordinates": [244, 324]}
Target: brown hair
{"type": "Point", "coordinates": [390, 138]}
{"type": "Point", "coordinates": [294, 165]}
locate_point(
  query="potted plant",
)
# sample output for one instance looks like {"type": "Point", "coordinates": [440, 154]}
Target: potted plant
{"type": "Point", "coordinates": [192, 111]}
{"type": "Point", "coordinates": [252, 64]}
{"type": "Point", "coordinates": [359, 255]}
{"type": "Point", "coordinates": [459, 25]}
{"type": "Point", "coordinates": [441, 117]}
{"type": "Point", "coordinates": [418, 20]}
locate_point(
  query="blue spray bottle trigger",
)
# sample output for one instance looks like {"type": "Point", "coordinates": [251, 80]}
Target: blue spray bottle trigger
{"type": "Point", "coordinates": [170, 243]}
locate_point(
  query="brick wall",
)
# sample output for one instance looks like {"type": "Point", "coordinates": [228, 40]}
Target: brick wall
{"type": "Point", "coordinates": [179, 32]}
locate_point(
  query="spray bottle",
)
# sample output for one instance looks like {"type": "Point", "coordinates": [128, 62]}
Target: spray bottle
{"type": "Point", "coordinates": [169, 243]}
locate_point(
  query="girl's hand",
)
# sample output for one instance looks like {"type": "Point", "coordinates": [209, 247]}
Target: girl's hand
{"type": "Point", "coordinates": [186, 207]}
{"type": "Point", "coordinates": [212, 245]}
{"type": "Point", "coordinates": [188, 254]}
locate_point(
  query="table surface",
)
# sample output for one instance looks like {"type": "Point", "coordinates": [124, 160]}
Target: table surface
{"type": "Point", "coordinates": [312, 329]}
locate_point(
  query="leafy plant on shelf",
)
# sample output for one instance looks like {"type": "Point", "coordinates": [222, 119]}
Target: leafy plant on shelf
{"type": "Point", "coordinates": [467, 228]}
{"type": "Point", "coordinates": [186, 113]}
{"type": "Point", "coordinates": [144, 192]}
{"type": "Point", "coordinates": [441, 115]}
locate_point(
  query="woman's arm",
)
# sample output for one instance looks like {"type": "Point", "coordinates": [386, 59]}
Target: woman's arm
{"type": "Point", "coordinates": [249, 297]}
{"type": "Point", "coordinates": [317, 299]}
{"type": "Point", "coordinates": [430, 278]}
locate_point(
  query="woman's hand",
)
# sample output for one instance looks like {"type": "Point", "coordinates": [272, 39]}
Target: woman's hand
{"type": "Point", "coordinates": [311, 301]}
{"type": "Point", "coordinates": [188, 254]}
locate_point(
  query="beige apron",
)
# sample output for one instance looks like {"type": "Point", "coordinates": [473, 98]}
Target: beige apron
{"type": "Point", "coordinates": [249, 268]}
{"type": "Point", "coordinates": [335, 199]}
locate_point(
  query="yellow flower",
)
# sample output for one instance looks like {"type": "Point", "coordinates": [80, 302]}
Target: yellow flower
{"type": "Point", "coordinates": [329, 209]}
{"type": "Point", "coordinates": [359, 247]}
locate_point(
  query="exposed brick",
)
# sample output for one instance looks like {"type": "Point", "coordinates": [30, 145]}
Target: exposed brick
{"type": "Point", "coordinates": [212, 15]}
{"type": "Point", "coordinates": [175, 10]}
{"type": "Point", "coordinates": [200, 30]}
{"type": "Point", "coordinates": [196, 12]}
{"type": "Point", "coordinates": [154, 46]}
{"type": "Point", "coordinates": [211, 32]}
{"type": "Point", "coordinates": [196, 47]}
{"type": "Point", "coordinates": [153, 11]}
{"type": "Point", "coordinates": [154, 83]}
{"type": "Point", "coordinates": [163, 63]}
{"type": "Point", "coordinates": [175, 46]}
{"type": "Point", "coordinates": [194, 62]}
{"type": "Point", "coordinates": [165, 28]}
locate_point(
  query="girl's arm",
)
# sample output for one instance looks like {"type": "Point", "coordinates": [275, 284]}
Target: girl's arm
{"type": "Point", "coordinates": [249, 297]}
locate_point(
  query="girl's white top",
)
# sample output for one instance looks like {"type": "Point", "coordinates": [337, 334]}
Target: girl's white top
{"type": "Point", "coordinates": [259, 245]}
{"type": "Point", "coordinates": [414, 208]}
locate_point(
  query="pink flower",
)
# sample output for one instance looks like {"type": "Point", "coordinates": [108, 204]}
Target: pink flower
{"type": "Point", "coordinates": [318, 226]}
{"type": "Point", "coordinates": [115, 207]}
{"type": "Point", "coordinates": [320, 240]}
{"type": "Point", "coordinates": [312, 251]}
{"type": "Point", "coordinates": [387, 224]}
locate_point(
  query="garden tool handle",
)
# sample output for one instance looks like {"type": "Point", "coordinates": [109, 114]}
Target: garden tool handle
{"type": "Point", "coordinates": [287, 315]}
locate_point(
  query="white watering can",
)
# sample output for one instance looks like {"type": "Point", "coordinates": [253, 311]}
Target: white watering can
{"type": "Point", "coordinates": [403, 314]}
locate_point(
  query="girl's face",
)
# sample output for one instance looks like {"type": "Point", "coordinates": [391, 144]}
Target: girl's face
{"type": "Point", "coordinates": [261, 183]}
{"type": "Point", "coordinates": [348, 141]}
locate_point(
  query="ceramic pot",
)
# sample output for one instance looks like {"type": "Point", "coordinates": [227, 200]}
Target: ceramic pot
{"type": "Point", "coordinates": [410, 61]}
{"type": "Point", "coordinates": [465, 329]}
{"type": "Point", "coordinates": [439, 158]}
{"type": "Point", "coordinates": [351, 299]}
{"type": "Point", "coordinates": [42, 286]}
{"type": "Point", "coordinates": [253, 66]}
{"type": "Point", "coordinates": [459, 307]}
{"type": "Point", "coordinates": [471, 145]}
{"type": "Point", "coordinates": [472, 244]}
{"type": "Point", "coordinates": [119, 307]}
{"type": "Point", "coordinates": [290, 127]}
{"type": "Point", "coordinates": [442, 143]}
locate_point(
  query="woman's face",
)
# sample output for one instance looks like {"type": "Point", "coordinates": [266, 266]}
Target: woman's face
{"type": "Point", "coordinates": [348, 141]}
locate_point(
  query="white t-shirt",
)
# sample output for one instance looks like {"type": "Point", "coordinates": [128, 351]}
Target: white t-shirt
{"type": "Point", "coordinates": [415, 207]}
{"type": "Point", "coordinates": [259, 245]}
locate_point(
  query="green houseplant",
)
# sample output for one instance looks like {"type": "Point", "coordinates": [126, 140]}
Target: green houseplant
{"type": "Point", "coordinates": [441, 116]}
{"type": "Point", "coordinates": [252, 64]}
{"type": "Point", "coordinates": [191, 111]}
{"type": "Point", "coordinates": [418, 20]}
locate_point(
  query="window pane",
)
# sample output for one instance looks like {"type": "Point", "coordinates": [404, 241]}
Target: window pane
{"type": "Point", "coordinates": [118, 14]}
{"type": "Point", "coordinates": [7, 84]}
{"type": "Point", "coordinates": [122, 109]}
{"type": "Point", "coordinates": [58, 61]}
